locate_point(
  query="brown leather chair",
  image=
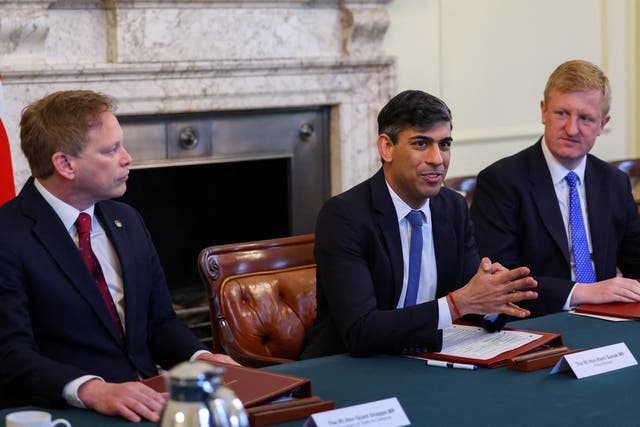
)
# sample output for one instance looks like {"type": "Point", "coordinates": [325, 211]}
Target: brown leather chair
{"type": "Point", "coordinates": [464, 185]}
{"type": "Point", "coordinates": [629, 166]}
{"type": "Point", "coordinates": [262, 297]}
{"type": "Point", "coordinates": [632, 168]}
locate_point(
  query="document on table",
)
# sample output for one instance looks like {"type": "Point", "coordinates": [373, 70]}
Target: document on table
{"type": "Point", "coordinates": [476, 343]}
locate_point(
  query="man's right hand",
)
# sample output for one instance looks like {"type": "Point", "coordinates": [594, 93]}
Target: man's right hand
{"type": "Point", "coordinates": [495, 289]}
{"type": "Point", "coordinates": [132, 400]}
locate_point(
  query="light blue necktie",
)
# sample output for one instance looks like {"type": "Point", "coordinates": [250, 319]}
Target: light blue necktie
{"type": "Point", "coordinates": [415, 257]}
{"type": "Point", "coordinates": [579, 243]}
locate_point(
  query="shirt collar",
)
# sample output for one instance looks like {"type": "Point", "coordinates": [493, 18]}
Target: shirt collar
{"type": "Point", "coordinates": [402, 208]}
{"type": "Point", "coordinates": [67, 213]}
{"type": "Point", "coordinates": [557, 170]}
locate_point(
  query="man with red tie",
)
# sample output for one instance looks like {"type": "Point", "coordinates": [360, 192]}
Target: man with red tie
{"type": "Point", "coordinates": [84, 307]}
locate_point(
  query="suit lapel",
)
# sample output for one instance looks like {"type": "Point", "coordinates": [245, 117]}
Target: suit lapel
{"type": "Point", "coordinates": [599, 212]}
{"type": "Point", "coordinates": [388, 223]}
{"type": "Point", "coordinates": [443, 244]}
{"type": "Point", "coordinates": [50, 230]}
{"type": "Point", "coordinates": [117, 231]}
{"type": "Point", "coordinates": [544, 197]}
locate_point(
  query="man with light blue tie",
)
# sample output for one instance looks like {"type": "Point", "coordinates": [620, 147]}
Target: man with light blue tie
{"type": "Point", "coordinates": [396, 257]}
{"type": "Point", "coordinates": [567, 215]}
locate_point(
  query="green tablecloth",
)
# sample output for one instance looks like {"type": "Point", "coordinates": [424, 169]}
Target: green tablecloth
{"type": "Point", "coordinates": [498, 397]}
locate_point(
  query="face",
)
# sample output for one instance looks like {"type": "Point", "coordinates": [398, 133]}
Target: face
{"type": "Point", "coordinates": [417, 164]}
{"type": "Point", "coordinates": [572, 122]}
{"type": "Point", "coordinates": [101, 170]}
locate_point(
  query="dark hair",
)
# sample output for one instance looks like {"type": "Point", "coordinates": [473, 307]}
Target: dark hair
{"type": "Point", "coordinates": [411, 109]}
{"type": "Point", "coordinates": [59, 122]}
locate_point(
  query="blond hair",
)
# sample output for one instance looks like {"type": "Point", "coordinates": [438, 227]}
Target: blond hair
{"type": "Point", "coordinates": [579, 76]}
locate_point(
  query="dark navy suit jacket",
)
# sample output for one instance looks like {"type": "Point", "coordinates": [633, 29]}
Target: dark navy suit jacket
{"type": "Point", "coordinates": [54, 325]}
{"type": "Point", "coordinates": [360, 269]}
{"type": "Point", "coordinates": [518, 222]}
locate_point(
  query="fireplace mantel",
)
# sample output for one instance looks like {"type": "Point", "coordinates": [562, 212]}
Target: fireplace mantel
{"type": "Point", "coordinates": [216, 55]}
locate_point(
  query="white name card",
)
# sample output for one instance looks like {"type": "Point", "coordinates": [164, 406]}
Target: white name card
{"type": "Point", "coordinates": [596, 361]}
{"type": "Point", "coordinates": [381, 413]}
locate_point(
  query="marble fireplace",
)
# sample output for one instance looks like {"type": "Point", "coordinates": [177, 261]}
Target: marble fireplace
{"type": "Point", "coordinates": [175, 57]}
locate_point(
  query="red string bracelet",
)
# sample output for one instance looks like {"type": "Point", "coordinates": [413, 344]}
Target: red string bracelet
{"type": "Point", "coordinates": [453, 302]}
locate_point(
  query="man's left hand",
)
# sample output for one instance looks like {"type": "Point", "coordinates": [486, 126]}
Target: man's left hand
{"type": "Point", "coordinates": [217, 358]}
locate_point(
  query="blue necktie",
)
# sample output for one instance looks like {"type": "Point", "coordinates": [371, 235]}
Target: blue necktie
{"type": "Point", "coordinates": [579, 243]}
{"type": "Point", "coordinates": [415, 257]}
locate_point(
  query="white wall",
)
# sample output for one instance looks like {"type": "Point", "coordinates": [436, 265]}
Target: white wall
{"type": "Point", "coordinates": [489, 60]}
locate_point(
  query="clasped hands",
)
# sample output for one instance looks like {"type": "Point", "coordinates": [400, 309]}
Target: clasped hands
{"type": "Point", "coordinates": [495, 289]}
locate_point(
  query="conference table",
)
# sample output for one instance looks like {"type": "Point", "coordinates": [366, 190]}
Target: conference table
{"type": "Point", "coordinates": [433, 396]}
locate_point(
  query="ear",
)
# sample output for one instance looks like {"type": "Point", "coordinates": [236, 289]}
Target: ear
{"type": "Point", "coordinates": [604, 123]}
{"type": "Point", "coordinates": [543, 110]}
{"type": "Point", "coordinates": [385, 147]}
{"type": "Point", "coordinates": [63, 165]}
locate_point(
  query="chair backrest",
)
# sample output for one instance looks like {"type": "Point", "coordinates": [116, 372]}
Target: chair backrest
{"type": "Point", "coordinates": [629, 166]}
{"type": "Point", "coordinates": [262, 297]}
{"type": "Point", "coordinates": [632, 168]}
{"type": "Point", "coordinates": [464, 185]}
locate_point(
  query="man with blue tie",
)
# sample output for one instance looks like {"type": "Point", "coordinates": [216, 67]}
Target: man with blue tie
{"type": "Point", "coordinates": [396, 257]}
{"type": "Point", "coordinates": [84, 308]}
{"type": "Point", "coordinates": [567, 215]}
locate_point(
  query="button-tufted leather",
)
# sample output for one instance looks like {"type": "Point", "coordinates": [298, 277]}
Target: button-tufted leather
{"type": "Point", "coordinates": [262, 297]}
{"type": "Point", "coordinates": [268, 313]}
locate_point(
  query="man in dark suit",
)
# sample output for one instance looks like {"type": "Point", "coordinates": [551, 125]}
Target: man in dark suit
{"type": "Point", "coordinates": [367, 302]}
{"type": "Point", "coordinates": [68, 334]}
{"type": "Point", "coordinates": [522, 204]}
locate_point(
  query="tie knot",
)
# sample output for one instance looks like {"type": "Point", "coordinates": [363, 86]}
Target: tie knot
{"type": "Point", "coordinates": [415, 218]}
{"type": "Point", "coordinates": [571, 178]}
{"type": "Point", "coordinates": [83, 223]}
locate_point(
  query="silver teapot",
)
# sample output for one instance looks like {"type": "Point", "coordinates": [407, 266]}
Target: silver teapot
{"type": "Point", "coordinates": [197, 398]}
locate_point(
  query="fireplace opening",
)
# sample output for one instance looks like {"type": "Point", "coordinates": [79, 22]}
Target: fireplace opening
{"type": "Point", "coordinates": [208, 179]}
{"type": "Point", "coordinates": [187, 208]}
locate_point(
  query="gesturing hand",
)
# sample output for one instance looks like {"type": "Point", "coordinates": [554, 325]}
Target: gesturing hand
{"type": "Point", "coordinates": [495, 289]}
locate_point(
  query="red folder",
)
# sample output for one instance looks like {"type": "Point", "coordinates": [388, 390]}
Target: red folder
{"type": "Point", "coordinates": [256, 388]}
{"type": "Point", "coordinates": [623, 310]}
{"type": "Point", "coordinates": [546, 341]}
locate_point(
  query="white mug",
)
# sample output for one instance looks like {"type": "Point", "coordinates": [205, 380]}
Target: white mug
{"type": "Point", "coordinates": [33, 419]}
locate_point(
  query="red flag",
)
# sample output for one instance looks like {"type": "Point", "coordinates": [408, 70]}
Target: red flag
{"type": "Point", "coordinates": [7, 187]}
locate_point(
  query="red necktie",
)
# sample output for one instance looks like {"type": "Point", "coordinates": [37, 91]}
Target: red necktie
{"type": "Point", "coordinates": [83, 225]}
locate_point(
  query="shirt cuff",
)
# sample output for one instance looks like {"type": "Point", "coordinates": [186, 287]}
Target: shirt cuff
{"type": "Point", "coordinates": [491, 317]}
{"type": "Point", "coordinates": [444, 315]}
{"type": "Point", "coordinates": [198, 353]}
{"type": "Point", "coordinates": [567, 304]}
{"type": "Point", "coordinates": [70, 390]}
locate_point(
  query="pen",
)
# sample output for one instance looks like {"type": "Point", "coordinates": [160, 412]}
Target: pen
{"type": "Point", "coordinates": [443, 364]}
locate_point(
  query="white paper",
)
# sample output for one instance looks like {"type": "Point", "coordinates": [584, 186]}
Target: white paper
{"type": "Point", "coordinates": [476, 343]}
{"type": "Point", "coordinates": [381, 413]}
{"type": "Point", "coordinates": [596, 361]}
{"type": "Point", "coordinates": [598, 316]}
